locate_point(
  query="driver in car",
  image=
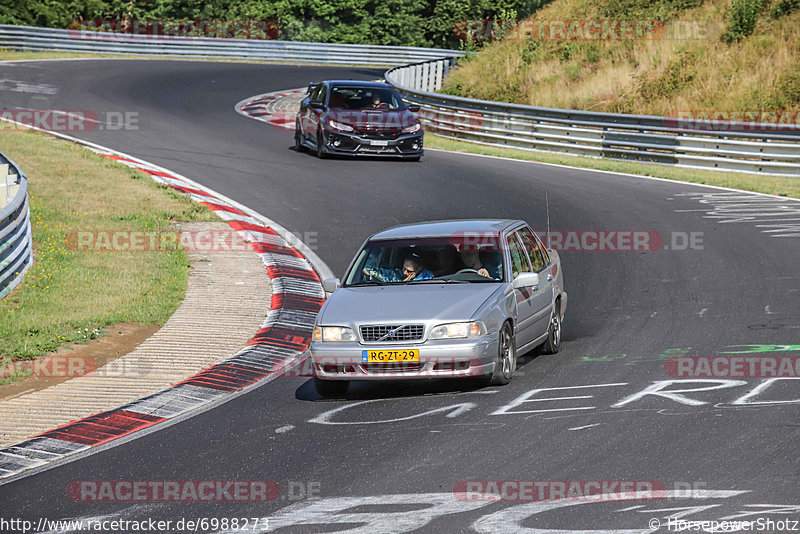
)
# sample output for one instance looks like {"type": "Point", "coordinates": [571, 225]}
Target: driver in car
{"type": "Point", "coordinates": [472, 260]}
{"type": "Point", "coordinates": [412, 270]}
{"type": "Point", "coordinates": [377, 102]}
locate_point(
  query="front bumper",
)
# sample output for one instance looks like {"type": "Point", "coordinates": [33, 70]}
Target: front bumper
{"type": "Point", "coordinates": [360, 144]}
{"type": "Point", "coordinates": [438, 359]}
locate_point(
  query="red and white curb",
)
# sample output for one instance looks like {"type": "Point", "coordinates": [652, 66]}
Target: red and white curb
{"type": "Point", "coordinates": [261, 108]}
{"type": "Point", "coordinates": [297, 295]}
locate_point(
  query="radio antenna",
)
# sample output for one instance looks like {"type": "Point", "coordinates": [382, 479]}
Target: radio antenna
{"type": "Point", "coordinates": [547, 207]}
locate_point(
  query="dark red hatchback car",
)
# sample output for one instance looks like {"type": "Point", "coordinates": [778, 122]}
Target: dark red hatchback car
{"type": "Point", "coordinates": [357, 119]}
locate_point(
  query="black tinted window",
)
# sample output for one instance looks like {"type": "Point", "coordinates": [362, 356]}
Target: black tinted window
{"type": "Point", "coordinates": [366, 98]}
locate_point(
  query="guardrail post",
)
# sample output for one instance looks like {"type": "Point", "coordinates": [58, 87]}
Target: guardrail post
{"type": "Point", "coordinates": [8, 184]}
{"type": "Point", "coordinates": [437, 77]}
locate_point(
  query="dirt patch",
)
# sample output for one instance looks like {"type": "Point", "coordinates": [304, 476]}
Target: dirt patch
{"type": "Point", "coordinates": [118, 340]}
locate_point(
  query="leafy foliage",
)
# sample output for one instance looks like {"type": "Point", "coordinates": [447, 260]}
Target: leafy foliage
{"type": "Point", "coordinates": [743, 18]}
{"type": "Point", "coordinates": [386, 22]}
{"type": "Point", "coordinates": [783, 8]}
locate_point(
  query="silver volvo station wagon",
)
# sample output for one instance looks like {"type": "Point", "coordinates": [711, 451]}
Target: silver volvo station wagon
{"type": "Point", "coordinates": [441, 299]}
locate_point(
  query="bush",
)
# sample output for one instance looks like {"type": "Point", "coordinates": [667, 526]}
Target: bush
{"type": "Point", "coordinates": [783, 8]}
{"type": "Point", "coordinates": [743, 19]}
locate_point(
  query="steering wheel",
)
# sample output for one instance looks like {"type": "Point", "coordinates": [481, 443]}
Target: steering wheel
{"type": "Point", "coordinates": [465, 271]}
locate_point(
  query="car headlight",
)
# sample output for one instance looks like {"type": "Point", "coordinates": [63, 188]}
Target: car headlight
{"type": "Point", "coordinates": [458, 330]}
{"type": "Point", "coordinates": [341, 127]}
{"type": "Point", "coordinates": [411, 129]}
{"type": "Point", "coordinates": [333, 333]}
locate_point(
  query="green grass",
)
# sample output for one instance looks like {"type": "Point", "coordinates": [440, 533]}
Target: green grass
{"type": "Point", "coordinates": [775, 185]}
{"type": "Point", "coordinates": [70, 295]}
{"type": "Point", "coordinates": [7, 55]}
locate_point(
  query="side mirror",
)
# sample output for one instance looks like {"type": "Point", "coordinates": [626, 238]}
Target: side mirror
{"type": "Point", "coordinates": [316, 104]}
{"type": "Point", "coordinates": [413, 108]}
{"type": "Point", "coordinates": [330, 285]}
{"type": "Point", "coordinates": [524, 280]}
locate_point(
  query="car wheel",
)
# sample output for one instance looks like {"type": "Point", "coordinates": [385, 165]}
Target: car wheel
{"type": "Point", "coordinates": [331, 388]}
{"type": "Point", "coordinates": [506, 357]}
{"type": "Point", "coordinates": [553, 342]}
{"type": "Point", "coordinates": [298, 139]}
{"type": "Point", "coordinates": [321, 154]}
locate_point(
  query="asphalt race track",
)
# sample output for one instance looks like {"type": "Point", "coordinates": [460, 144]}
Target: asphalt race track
{"type": "Point", "coordinates": [718, 278]}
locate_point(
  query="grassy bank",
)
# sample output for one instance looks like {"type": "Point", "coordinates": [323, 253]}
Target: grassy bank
{"type": "Point", "coordinates": [70, 295]}
{"type": "Point", "coordinates": [774, 185]}
{"type": "Point", "coordinates": [740, 55]}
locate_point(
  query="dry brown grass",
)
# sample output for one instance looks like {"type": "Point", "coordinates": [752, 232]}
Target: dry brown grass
{"type": "Point", "coordinates": [656, 77]}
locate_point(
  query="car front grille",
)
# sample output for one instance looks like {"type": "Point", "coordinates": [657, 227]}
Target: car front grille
{"type": "Point", "coordinates": [378, 135]}
{"type": "Point", "coordinates": [395, 367]}
{"type": "Point", "coordinates": [392, 332]}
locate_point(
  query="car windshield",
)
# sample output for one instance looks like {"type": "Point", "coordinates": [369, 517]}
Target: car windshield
{"type": "Point", "coordinates": [428, 260]}
{"type": "Point", "coordinates": [365, 99]}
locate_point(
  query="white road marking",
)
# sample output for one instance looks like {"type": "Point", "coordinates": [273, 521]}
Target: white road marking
{"type": "Point", "coordinates": [21, 86]}
{"type": "Point", "coordinates": [284, 429]}
{"type": "Point", "coordinates": [738, 207]}
{"type": "Point", "coordinates": [526, 397]}
{"type": "Point", "coordinates": [744, 400]}
{"type": "Point", "coordinates": [510, 520]}
{"type": "Point", "coordinates": [325, 417]}
{"type": "Point", "coordinates": [658, 389]}
{"type": "Point", "coordinates": [585, 426]}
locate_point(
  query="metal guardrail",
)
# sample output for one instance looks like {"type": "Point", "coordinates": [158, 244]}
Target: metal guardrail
{"type": "Point", "coordinates": [16, 244]}
{"type": "Point", "coordinates": [55, 40]}
{"type": "Point", "coordinates": [420, 73]}
{"type": "Point", "coordinates": [726, 146]}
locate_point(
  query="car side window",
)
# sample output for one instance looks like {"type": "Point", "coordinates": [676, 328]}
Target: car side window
{"type": "Point", "coordinates": [519, 263]}
{"type": "Point", "coordinates": [318, 94]}
{"type": "Point", "coordinates": [539, 258]}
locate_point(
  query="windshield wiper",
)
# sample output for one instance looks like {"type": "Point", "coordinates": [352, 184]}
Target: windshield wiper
{"type": "Point", "coordinates": [368, 283]}
{"type": "Point", "coordinates": [438, 280]}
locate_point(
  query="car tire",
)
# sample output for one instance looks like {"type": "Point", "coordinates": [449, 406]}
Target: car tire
{"type": "Point", "coordinates": [415, 158]}
{"type": "Point", "coordinates": [553, 342]}
{"type": "Point", "coordinates": [331, 388]}
{"type": "Point", "coordinates": [298, 139]}
{"type": "Point", "coordinates": [506, 356]}
{"type": "Point", "coordinates": [321, 154]}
